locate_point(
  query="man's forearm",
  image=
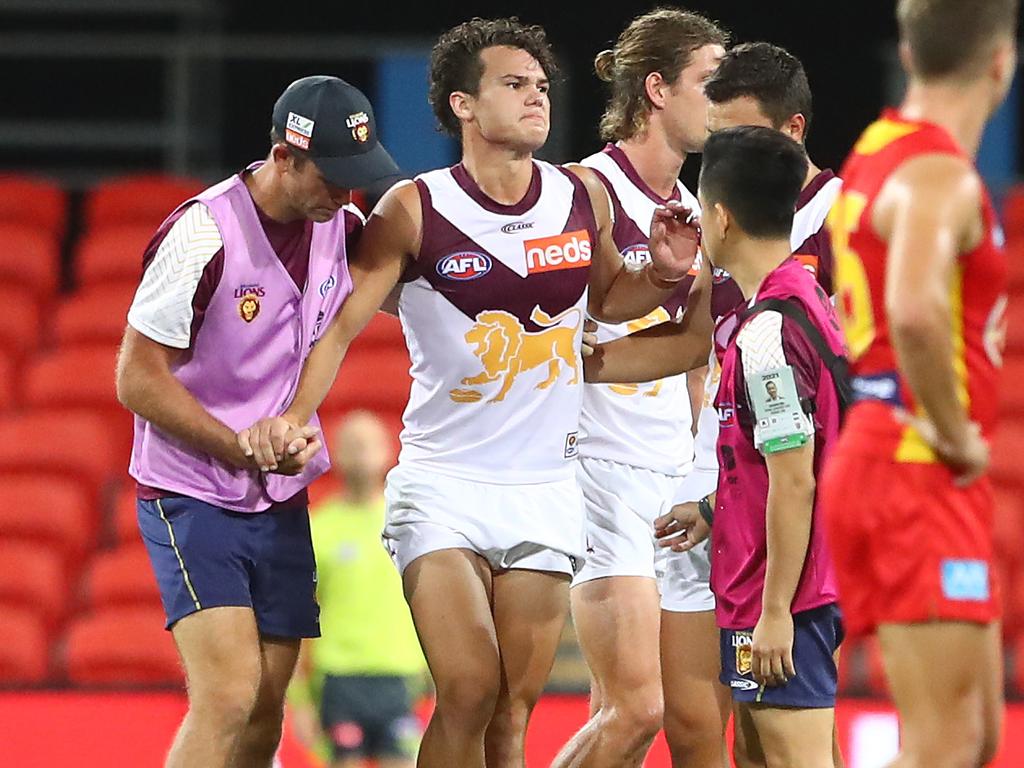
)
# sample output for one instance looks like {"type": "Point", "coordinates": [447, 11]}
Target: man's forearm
{"type": "Point", "coordinates": [165, 403]}
{"type": "Point", "coordinates": [788, 522]}
{"type": "Point", "coordinates": [924, 351]}
{"type": "Point", "coordinates": [664, 350]}
{"type": "Point", "coordinates": [317, 377]}
{"type": "Point", "coordinates": [632, 294]}
{"type": "Point", "coordinates": [668, 349]}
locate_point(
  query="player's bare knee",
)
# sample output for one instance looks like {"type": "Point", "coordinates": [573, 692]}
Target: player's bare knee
{"type": "Point", "coordinates": [468, 699]}
{"type": "Point", "coordinates": [642, 714]}
{"type": "Point", "coordinates": [690, 726]}
{"type": "Point", "coordinates": [229, 707]}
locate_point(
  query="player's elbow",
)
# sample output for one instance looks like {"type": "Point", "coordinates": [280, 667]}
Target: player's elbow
{"type": "Point", "coordinates": [607, 312]}
{"type": "Point", "coordinates": [913, 323]}
{"type": "Point", "coordinates": [129, 381]}
{"type": "Point", "coordinates": [125, 384]}
{"type": "Point", "coordinates": [798, 488]}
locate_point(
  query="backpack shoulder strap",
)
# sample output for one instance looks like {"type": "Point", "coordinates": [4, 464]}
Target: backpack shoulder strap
{"type": "Point", "coordinates": [837, 364]}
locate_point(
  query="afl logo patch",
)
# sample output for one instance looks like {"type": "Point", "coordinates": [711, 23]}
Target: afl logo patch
{"type": "Point", "coordinates": [466, 265]}
{"type": "Point", "coordinates": [636, 255]}
{"type": "Point", "coordinates": [719, 276]}
{"type": "Point", "coordinates": [249, 307]}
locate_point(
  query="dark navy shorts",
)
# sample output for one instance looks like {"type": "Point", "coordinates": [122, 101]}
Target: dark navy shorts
{"type": "Point", "coordinates": [205, 556]}
{"type": "Point", "coordinates": [817, 634]}
{"type": "Point", "coordinates": [369, 716]}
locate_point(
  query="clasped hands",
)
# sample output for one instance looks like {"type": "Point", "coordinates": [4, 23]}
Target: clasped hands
{"type": "Point", "coordinates": [277, 444]}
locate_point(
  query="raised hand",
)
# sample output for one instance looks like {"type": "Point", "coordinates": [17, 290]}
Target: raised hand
{"type": "Point", "coordinates": [674, 241]}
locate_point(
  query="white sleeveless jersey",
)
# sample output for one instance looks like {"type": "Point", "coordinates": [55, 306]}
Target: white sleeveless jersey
{"type": "Point", "coordinates": [493, 318]}
{"type": "Point", "coordinates": [644, 425]}
{"type": "Point", "coordinates": [810, 244]}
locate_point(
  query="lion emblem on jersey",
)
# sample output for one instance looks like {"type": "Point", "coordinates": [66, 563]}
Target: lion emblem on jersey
{"type": "Point", "coordinates": [506, 349]}
{"type": "Point", "coordinates": [249, 307]}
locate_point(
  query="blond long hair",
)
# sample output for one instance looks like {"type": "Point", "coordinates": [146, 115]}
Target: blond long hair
{"type": "Point", "coordinates": [662, 40]}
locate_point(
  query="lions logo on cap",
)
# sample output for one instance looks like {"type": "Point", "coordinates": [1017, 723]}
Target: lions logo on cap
{"type": "Point", "coordinates": [360, 125]}
{"type": "Point", "coordinates": [249, 307]}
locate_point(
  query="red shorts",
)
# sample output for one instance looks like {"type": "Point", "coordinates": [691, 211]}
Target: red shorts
{"type": "Point", "coordinates": [908, 544]}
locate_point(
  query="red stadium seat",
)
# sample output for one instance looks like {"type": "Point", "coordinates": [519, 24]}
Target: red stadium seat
{"type": "Point", "coordinates": [8, 388]}
{"type": "Point", "coordinates": [96, 315]}
{"type": "Point", "coordinates": [82, 446]}
{"type": "Point", "coordinates": [48, 510]}
{"type": "Point", "coordinates": [384, 331]}
{"type": "Point", "coordinates": [120, 578]}
{"type": "Point", "coordinates": [1011, 584]}
{"type": "Point", "coordinates": [1008, 531]}
{"type": "Point", "coordinates": [125, 519]}
{"type": "Point", "coordinates": [29, 260]}
{"type": "Point", "coordinates": [32, 578]}
{"type": "Point", "coordinates": [112, 254]}
{"type": "Point", "coordinates": [34, 202]}
{"type": "Point", "coordinates": [20, 330]}
{"type": "Point", "coordinates": [377, 380]}
{"type": "Point", "coordinates": [24, 650]}
{"type": "Point", "coordinates": [80, 379]}
{"type": "Point", "coordinates": [1006, 468]}
{"type": "Point", "coordinates": [122, 646]}
{"type": "Point", "coordinates": [145, 200]}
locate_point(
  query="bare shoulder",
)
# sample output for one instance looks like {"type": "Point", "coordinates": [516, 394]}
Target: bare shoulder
{"type": "Point", "coordinates": [586, 175]}
{"type": "Point", "coordinates": [402, 199]}
{"type": "Point", "coordinates": [396, 222]}
{"type": "Point", "coordinates": [595, 189]}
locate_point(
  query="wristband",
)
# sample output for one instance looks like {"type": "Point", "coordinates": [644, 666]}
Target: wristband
{"type": "Point", "coordinates": [704, 507]}
{"type": "Point", "coordinates": [661, 282]}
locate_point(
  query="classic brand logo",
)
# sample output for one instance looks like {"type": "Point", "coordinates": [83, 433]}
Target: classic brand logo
{"type": "Point", "coordinates": [517, 226]}
{"type": "Point", "coordinates": [465, 265]}
{"type": "Point", "coordinates": [506, 350]}
{"type": "Point", "coordinates": [569, 250]}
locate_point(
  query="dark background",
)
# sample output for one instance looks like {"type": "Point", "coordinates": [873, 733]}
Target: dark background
{"type": "Point", "coordinates": [844, 47]}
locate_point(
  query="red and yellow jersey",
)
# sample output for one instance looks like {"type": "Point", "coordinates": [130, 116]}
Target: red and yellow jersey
{"type": "Point", "coordinates": [977, 295]}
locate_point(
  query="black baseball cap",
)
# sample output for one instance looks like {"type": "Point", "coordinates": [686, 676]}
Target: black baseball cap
{"type": "Point", "coordinates": [333, 123]}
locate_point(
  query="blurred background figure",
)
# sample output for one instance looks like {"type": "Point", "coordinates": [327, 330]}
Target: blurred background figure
{"type": "Point", "coordinates": [353, 694]}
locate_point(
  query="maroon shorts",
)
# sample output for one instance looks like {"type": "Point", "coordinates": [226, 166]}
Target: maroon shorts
{"type": "Point", "coordinates": [909, 545]}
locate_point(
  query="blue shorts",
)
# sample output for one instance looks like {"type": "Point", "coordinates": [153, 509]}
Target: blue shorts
{"type": "Point", "coordinates": [205, 556]}
{"type": "Point", "coordinates": [817, 634]}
